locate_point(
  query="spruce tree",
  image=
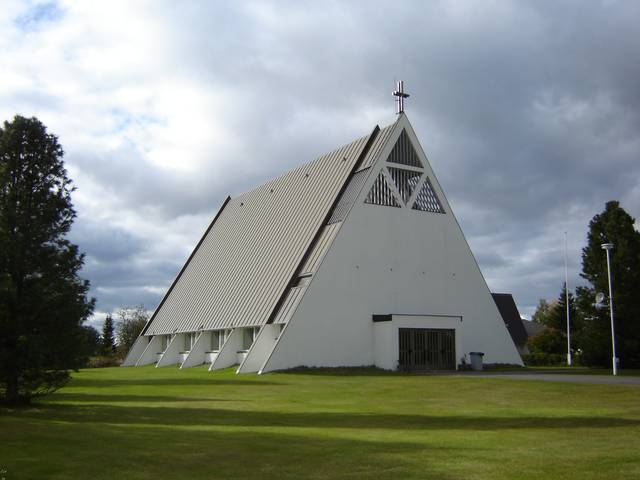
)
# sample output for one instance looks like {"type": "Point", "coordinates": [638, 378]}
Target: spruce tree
{"type": "Point", "coordinates": [613, 225]}
{"type": "Point", "coordinates": [43, 302]}
{"type": "Point", "coordinates": [107, 342]}
{"type": "Point", "coordinates": [557, 316]}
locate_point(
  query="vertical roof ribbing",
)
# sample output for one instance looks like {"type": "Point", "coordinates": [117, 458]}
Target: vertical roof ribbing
{"type": "Point", "coordinates": [247, 257]}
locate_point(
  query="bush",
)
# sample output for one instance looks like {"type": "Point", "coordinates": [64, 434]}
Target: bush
{"type": "Point", "coordinates": [543, 359]}
{"type": "Point", "coordinates": [101, 361]}
{"type": "Point", "coordinates": [549, 341]}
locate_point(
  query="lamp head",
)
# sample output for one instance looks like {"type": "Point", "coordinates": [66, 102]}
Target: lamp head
{"type": "Point", "coordinates": [607, 246]}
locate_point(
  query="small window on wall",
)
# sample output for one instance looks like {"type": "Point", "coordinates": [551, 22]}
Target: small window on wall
{"type": "Point", "coordinates": [164, 342]}
{"type": "Point", "coordinates": [189, 341]}
{"type": "Point", "coordinates": [248, 337]}
{"type": "Point", "coordinates": [217, 340]}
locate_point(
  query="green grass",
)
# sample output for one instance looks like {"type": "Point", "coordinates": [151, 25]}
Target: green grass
{"type": "Point", "coordinates": [148, 423]}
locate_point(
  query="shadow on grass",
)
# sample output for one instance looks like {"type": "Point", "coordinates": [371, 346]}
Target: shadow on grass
{"type": "Point", "coordinates": [178, 382]}
{"type": "Point", "coordinates": [341, 371]}
{"type": "Point", "coordinates": [62, 397]}
{"type": "Point", "coordinates": [78, 450]}
{"type": "Point", "coordinates": [170, 416]}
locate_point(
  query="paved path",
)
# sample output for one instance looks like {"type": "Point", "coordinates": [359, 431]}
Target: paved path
{"type": "Point", "coordinates": [559, 377]}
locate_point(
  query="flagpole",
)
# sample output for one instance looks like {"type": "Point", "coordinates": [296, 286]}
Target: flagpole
{"type": "Point", "coordinates": [566, 293]}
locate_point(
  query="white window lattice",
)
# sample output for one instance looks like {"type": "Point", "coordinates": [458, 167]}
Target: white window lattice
{"type": "Point", "coordinates": [427, 200]}
{"type": "Point", "coordinates": [404, 153]}
{"type": "Point", "coordinates": [406, 181]}
{"type": "Point", "coordinates": [381, 193]}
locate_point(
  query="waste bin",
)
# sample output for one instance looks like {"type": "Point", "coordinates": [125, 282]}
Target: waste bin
{"type": "Point", "coordinates": [476, 360]}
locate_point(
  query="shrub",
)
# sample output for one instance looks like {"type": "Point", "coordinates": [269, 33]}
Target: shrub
{"type": "Point", "coordinates": [543, 359]}
{"type": "Point", "coordinates": [101, 361]}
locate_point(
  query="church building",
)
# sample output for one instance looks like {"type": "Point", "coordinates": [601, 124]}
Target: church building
{"type": "Point", "coordinates": [353, 259]}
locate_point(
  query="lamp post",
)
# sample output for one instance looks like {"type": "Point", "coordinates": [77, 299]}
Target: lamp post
{"type": "Point", "coordinates": [608, 247]}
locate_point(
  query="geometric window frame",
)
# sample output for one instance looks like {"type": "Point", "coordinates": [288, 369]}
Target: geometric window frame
{"type": "Point", "coordinates": [405, 180]}
{"type": "Point", "coordinates": [381, 193]}
{"type": "Point", "coordinates": [403, 152]}
{"type": "Point", "coordinates": [402, 176]}
{"type": "Point", "coordinates": [427, 199]}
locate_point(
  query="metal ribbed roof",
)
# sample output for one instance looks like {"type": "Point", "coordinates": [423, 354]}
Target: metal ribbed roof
{"type": "Point", "coordinates": [376, 147]}
{"type": "Point", "coordinates": [245, 260]}
{"type": "Point", "coordinates": [320, 248]}
{"type": "Point", "coordinates": [290, 304]}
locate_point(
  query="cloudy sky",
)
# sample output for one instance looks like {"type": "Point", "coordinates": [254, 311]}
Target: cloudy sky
{"type": "Point", "coordinates": [528, 111]}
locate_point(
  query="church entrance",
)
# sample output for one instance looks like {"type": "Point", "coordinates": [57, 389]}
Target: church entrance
{"type": "Point", "coordinates": [427, 349]}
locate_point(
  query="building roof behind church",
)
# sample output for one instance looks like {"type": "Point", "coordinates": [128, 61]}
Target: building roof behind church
{"type": "Point", "coordinates": [509, 312]}
{"type": "Point", "coordinates": [244, 262]}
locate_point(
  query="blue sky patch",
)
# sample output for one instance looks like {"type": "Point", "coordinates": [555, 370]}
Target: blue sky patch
{"type": "Point", "coordinates": [39, 15]}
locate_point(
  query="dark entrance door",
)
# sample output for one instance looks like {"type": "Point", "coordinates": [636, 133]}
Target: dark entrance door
{"type": "Point", "coordinates": [427, 349]}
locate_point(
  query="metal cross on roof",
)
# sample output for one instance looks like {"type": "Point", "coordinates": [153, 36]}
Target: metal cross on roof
{"type": "Point", "coordinates": [400, 96]}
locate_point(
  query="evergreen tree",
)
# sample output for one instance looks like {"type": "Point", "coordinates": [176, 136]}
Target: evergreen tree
{"type": "Point", "coordinates": [616, 226]}
{"type": "Point", "coordinates": [91, 341]}
{"type": "Point", "coordinates": [43, 302]}
{"type": "Point", "coordinates": [107, 342]}
{"type": "Point", "coordinates": [557, 316]}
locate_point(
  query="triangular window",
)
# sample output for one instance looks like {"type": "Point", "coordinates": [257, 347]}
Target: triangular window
{"type": "Point", "coordinates": [404, 153]}
{"type": "Point", "coordinates": [405, 180]}
{"type": "Point", "coordinates": [381, 193]}
{"type": "Point", "coordinates": [427, 200]}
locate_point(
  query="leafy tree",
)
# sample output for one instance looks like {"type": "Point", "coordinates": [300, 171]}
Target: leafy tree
{"type": "Point", "coordinates": [542, 312]}
{"type": "Point", "coordinates": [107, 342]}
{"type": "Point", "coordinates": [548, 341]}
{"type": "Point", "coordinates": [43, 302]}
{"type": "Point", "coordinates": [613, 225]}
{"type": "Point", "coordinates": [130, 325]}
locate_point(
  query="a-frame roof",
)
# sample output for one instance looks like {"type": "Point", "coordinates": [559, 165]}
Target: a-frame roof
{"type": "Point", "coordinates": [246, 259]}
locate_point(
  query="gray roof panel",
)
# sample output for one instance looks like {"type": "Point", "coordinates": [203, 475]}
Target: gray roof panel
{"type": "Point", "coordinates": [247, 257]}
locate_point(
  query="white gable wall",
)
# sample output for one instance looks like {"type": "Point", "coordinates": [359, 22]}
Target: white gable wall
{"type": "Point", "coordinates": [388, 260]}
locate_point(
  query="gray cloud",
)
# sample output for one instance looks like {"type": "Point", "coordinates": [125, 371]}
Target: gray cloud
{"type": "Point", "coordinates": [529, 113]}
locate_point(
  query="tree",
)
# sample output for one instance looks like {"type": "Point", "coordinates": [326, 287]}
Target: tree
{"type": "Point", "coordinates": [550, 341]}
{"type": "Point", "coordinates": [554, 316]}
{"type": "Point", "coordinates": [107, 342]}
{"type": "Point", "coordinates": [43, 302]}
{"type": "Point", "coordinates": [131, 323]}
{"type": "Point", "coordinates": [557, 315]}
{"type": "Point", "coordinates": [613, 225]}
{"type": "Point", "coordinates": [542, 312]}
{"type": "Point", "coordinates": [90, 340]}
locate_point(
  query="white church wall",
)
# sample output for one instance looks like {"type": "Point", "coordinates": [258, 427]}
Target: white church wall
{"type": "Point", "coordinates": [261, 348]}
{"type": "Point", "coordinates": [136, 351]}
{"type": "Point", "coordinates": [196, 355]}
{"type": "Point", "coordinates": [388, 260]}
{"type": "Point", "coordinates": [383, 351]}
{"type": "Point", "coordinates": [228, 354]}
{"type": "Point", "coordinates": [171, 355]}
{"type": "Point", "coordinates": [210, 357]}
{"type": "Point", "coordinates": [150, 354]}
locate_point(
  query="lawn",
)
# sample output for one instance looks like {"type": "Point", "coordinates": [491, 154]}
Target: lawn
{"type": "Point", "coordinates": [148, 423]}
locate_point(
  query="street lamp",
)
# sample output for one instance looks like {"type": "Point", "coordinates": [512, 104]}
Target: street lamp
{"type": "Point", "coordinates": [608, 247]}
{"type": "Point", "coordinates": [566, 299]}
